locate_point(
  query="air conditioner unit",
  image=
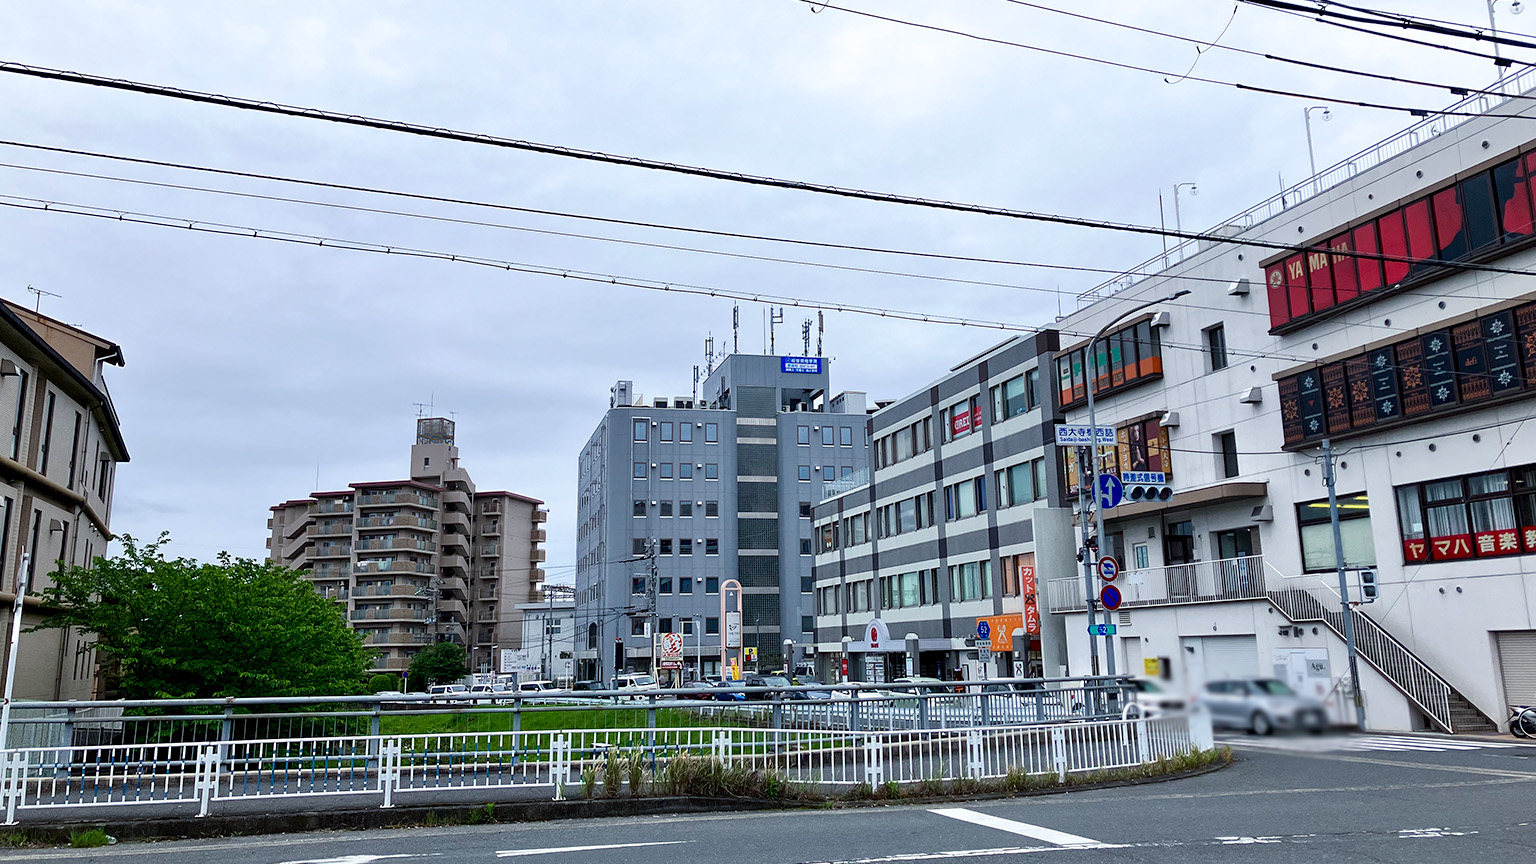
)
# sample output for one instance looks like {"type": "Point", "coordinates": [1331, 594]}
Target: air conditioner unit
{"type": "Point", "coordinates": [1170, 419]}
{"type": "Point", "coordinates": [1239, 288]}
{"type": "Point", "coordinates": [1252, 396]}
{"type": "Point", "coordinates": [1263, 513]}
{"type": "Point", "coordinates": [1162, 319]}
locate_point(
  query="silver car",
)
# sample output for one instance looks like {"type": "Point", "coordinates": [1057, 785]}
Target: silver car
{"type": "Point", "coordinates": [1262, 705]}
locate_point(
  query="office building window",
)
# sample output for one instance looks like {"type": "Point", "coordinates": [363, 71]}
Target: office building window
{"type": "Point", "coordinates": [965, 499]}
{"type": "Point", "coordinates": [1316, 531]}
{"type": "Point", "coordinates": [664, 585]}
{"type": "Point", "coordinates": [687, 626]}
{"type": "Point", "coordinates": [666, 508]}
{"type": "Point", "coordinates": [637, 585]}
{"type": "Point", "coordinates": [711, 471]}
{"type": "Point", "coordinates": [1010, 398]}
{"type": "Point", "coordinates": [665, 430]}
{"type": "Point", "coordinates": [803, 435]}
{"type": "Point", "coordinates": [846, 472]}
{"type": "Point", "coordinates": [807, 584]}
{"type": "Point", "coordinates": [642, 430]}
{"type": "Point", "coordinates": [711, 584]}
{"type": "Point", "coordinates": [711, 433]}
{"type": "Point", "coordinates": [805, 509]}
{"type": "Point", "coordinates": [685, 433]}
{"type": "Point", "coordinates": [828, 473]}
{"type": "Point", "coordinates": [638, 546]}
{"type": "Point", "coordinates": [639, 508]}
{"type": "Point", "coordinates": [664, 625]}
{"type": "Point", "coordinates": [1216, 346]}
{"type": "Point", "coordinates": [845, 436]}
{"type": "Point", "coordinates": [664, 471]}
{"type": "Point", "coordinates": [685, 508]}
{"type": "Point", "coordinates": [805, 546]}
{"type": "Point", "coordinates": [711, 546]}
{"type": "Point", "coordinates": [639, 471]}
{"type": "Point", "coordinates": [666, 546]}
{"type": "Point", "coordinates": [961, 418]}
{"type": "Point", "coordinates": [1226, 445]}
{"type": "Point", "coordinates": [970, 581]}
{"type": "Point", "coordinates": [685, 545]}
{"type": "Point", "coordinates": [685, 584]}
{"type": "Point", "coordinates": [685, 470]}
{"type": "Point", "coordinates": [807, 623]}
{"type": "Point", "coordinates": [1125, 357]}
{"type": "Point", "coordinates": [711, 626]}
{"type": "Point", "coordinates": [828, 436]}
{"type": "Point", "coordinates": [637, 626]}
{"type": "Point", "coordinates": [805, 473]}
{"type": "Point", "coordinates": [711, 509]}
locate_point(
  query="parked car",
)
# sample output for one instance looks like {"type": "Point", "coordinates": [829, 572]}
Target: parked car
{"type": "Point", "coordinates": [763, 681]}
{"type": "Point", "coordinates": [1262, 705]}
{"type": "Point", "coordinates": [589, 685]}
{"type": "Point", "coordinates": [635, 683]}
{"type": "Point", "coordinates": [1152, 698]}
{"type": "Point", "coordinates": [698, 690]}
{"type": "Point", "coordinates": [728, 696]}
{"type": "Point", "coordinates": [485, 693]}
{"type": "Point", "coordinates": [454, 693]}
{"type": "Point", "coordinates": [808, 695]}
{"type": "Point", "coordinates": [536, 687]}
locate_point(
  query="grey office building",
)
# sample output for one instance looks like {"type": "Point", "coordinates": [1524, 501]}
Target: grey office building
{"type": "Point", "coordinates": [721, 487]}
{"type": "Point", "coordinates": [962, 516]}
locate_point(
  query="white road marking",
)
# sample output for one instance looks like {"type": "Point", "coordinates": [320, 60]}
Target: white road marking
{"type": "Point", "coordinates": [1367, 743]}
{"type": "Point", "coordinates": [552, 850]}
{"type": "Point", "coordinates": [358, 859]}
{"type": "Point", "coordinates": [1422, 833]}
{"type": "Point", "coordinates": [1024, 829]}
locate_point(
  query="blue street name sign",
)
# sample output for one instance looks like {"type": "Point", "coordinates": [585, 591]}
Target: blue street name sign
{"type": "Point", "coordinates": [1101, 629]}
{"type": "Point", "coordinates": [983, 630]}
{"type": "Point", "coordinates": [1068, 435]}
{"type": "Point", "coordinates": [1110, 491]}
{"type": "Point", "coordinates": [1147, 478]}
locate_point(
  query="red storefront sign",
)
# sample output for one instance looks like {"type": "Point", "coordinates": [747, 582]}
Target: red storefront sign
{"type": "Point", "coordinates": [1031, 607]}
{"type": "Point", "coordinates": [1452, 546]}
{"type": "Point", "coordinates": [964, 422]}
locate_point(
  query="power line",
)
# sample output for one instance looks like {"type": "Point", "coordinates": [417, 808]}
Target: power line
{"type": "Point", "coordinates": [1087, 58]}
{"type": "Point", "coordinates": [1455, 89]}
{"type": "Point", "coordinates": [1398, 37]}
{"type": "Point", "coordinates": [1406, 22]}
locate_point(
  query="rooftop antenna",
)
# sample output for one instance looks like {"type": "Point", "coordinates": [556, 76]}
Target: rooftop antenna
{"type": "Point", "coordinates": [736, 329]}
{"type": "Point", "coordinates": [821, 327]}
{"type": "Point", "coordinates": [38, 308]}
{"type": "Point", "coordinates": [695, 382]}
{"type": "Point", "coordinates": [775, 318]}
{"type": "Point", "coordinates": [805, 336]}
{"type": "Point", "coordinates": [421, 409]}
{"type": "Point", "coordinates": [709, 355]}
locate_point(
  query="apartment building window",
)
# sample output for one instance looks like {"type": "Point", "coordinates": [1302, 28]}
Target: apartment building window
{"type": "Point", "coordinates": [828, 436]}
{"type": "Point", "coordinates": [637, 585]}
{"type": "Point", "coordinates": [685, 470]}
{"type": "Point", "coordinates": [21, 410]}
{"type": "Point", "coordinates": [637, 546]}
{"type": "Point", "coordinates": [642, 430]}
{"type": "Point", "coordinates": [711, 509]}
{"type": "Point", "coordinates": [665, 431]}
{"type": "Point", "coordinates": [711, 626]}
{"type": "Point", "coordinates": [803, 436]}
{"type": "Point", "coordinates": [1316, 532]}
{"type": "Point", "coordinates": [1216, 346]}
{"type": "Point", "coordinates": [74, 451]}
{"type": "Point", "coordinates": [965, 499]}
{"type": "Point", "coordinates": [664, 585]}
{"type": "Point", "coordinates": [805, 546]}
{"type": "Point", "coordinates": [711, 471]}
{"type": "Point", "coordinates": [711, 584]}
{"type": "Point", "coordinates": [666, 508]}
{"type": "Point", "coordinates": [711, 546]}
{"type": "Point", "coordinates": [845, 436]}
{"type": "Point", "coordinates": [664, 471]}
{"type": "Point", "coordinates": [666, 546]}
{"type": "Point", "coordinates": [47, 434]}
{"type": "Point", "coordinates": [805, 473]}
{"type": "Point", "coordinates": [971, 581]}
{"type": "Point", "coordinates": [685, 584]}
{"type": "Point", "coordinates": [711, 433]}
{"type": "Point", "coordinates": [685, 509]}
{"type": "Point", "coordinates": [685, 433]}
{"type": "Point", "coordinates": [685, 545]}
{"type": "Point", "coordinates": [1226, 446]}
{"type": "Point", "coordinates": [5, 543]}
{"type": "Point", "coordinates": [639, 471]}
{"type": "Point", "coordinates": [639, 507]}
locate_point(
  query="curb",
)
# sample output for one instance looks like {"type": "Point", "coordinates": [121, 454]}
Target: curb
{"type": "Point", "coordinates": [511, 812]}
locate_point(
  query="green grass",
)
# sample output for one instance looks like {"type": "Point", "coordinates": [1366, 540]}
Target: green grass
{"type": "Point", "coordinates": [88, 839]}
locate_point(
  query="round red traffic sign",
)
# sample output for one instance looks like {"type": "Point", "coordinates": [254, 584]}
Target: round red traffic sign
{"type": "Point", "coordinates": [1109, 596]}
{"type": "Point", "coordinates": [1109, 568]}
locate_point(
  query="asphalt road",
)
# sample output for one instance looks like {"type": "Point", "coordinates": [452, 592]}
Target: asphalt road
{"type": "Point", "coordinates": [1329, 801]}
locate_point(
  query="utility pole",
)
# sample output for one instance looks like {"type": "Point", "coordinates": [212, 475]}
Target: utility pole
{"type": "Point", "coordinates": [22, 577]}
{"type": "Point", "coordinates": [1083, 454]}
{"type": "Point", "coordinates": [651, 588]}
{"type": "Point", "coordinates": [1345, 612]}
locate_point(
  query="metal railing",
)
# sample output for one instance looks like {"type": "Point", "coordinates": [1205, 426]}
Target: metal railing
{"type": "Point", "coordinates": [834, 488]}
{"type": "Point", "coordinates": [1307, 598]}
{"type": "Point", "coordinates": [1197, 582]}
{"type": "Point", "coordinates": [1378, 153]}
{"type": "Point", "coordinates": [76, 756]}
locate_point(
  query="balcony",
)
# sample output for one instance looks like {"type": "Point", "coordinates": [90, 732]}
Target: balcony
{"type": "Point", "coordinates": [454, 562]}
{"type": "Point", "coordinates": [388, 613]}
{"type": "Point", "coordinates": [456, 541]}
{"type": "Point", "coordinates": [398, 521]}
{"type": "Point", "coordinates": [330, 572]}
{"type": "Point", "coordinates": [537, 555]}
{"type": "Point", "coordinates": [536, 574]}
{"type": "Point", "coordinates": [541, 516]}
{"type": "Point", "coordinates": [332, 550]}
{"type": "Point", "coordinates": [493, 506]}
{"type": "Point", "coordinates": [363, 568]}
{"type": "Point", "coordinates": [377, 543]}
{"type": "Point", "coordinates": [490, 528]}
{"type": "Point", "coordinates": [456, 500]}
{"type": "Point", "coordinates": [334, 529]}
{"type": "Point", "coordinates": [458, 521]}
{"type": "Point", "coordinates": [486, 594]}
{"type": "Point", "coordinates": [539, 535]}
{"type": "Point", "coordinates": [1201, 582]}
{"type": "Point", "coordinates": [334, 506]}
{"type": "Point", "coordinates": [409, 499]}
{"type": "Point", "coordinates": [489, 550]}
{"type": "Point", "coordinates": [399, 589]}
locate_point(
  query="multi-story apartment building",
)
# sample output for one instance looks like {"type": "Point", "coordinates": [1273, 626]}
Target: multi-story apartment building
{"type": "Point", "coordinates": [57, 475]}
{"type": "Point", "coordinates": [420, 560]}
{"type": "Point", "coordinates": [1381, 306]}
{"type": "Point", "coordinates": [710, 490]}
{"type": "Point", "coordinates": [945, 535]}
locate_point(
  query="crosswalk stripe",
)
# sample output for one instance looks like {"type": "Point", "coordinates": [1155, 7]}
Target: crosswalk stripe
{"type": "Point", "coordinates": [1049, 835]}
{"type": "Point", "coordinates": [1370, 743]}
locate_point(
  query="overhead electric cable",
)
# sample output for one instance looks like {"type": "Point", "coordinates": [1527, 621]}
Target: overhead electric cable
{"type": "Point", "coordinates": [1397, 37]}
{"type": "Point", "coordinates": [1391, 19]}
{"type": "Point", "coordinates": [1326, 67]}
{"type": "Point", "coordinates": [695, 171]}
{"type": "Point", "coordinates": [1252, 88]}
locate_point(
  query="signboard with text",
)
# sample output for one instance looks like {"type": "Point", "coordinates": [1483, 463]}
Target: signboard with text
{"type": "Point", "coordinates": [733, 629]}
{"type": "Point", "coordinates": [802, 365]}
{"type": "Point", "coordinates": [1068, 435]}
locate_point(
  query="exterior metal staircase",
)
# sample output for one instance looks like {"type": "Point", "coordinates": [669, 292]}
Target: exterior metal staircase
{"type": "Point", "coordinates": [1425, 688]}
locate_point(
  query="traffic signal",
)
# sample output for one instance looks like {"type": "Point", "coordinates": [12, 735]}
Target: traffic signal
{"type": "Point", "coordinates": [1367, 586]}
{"type": "Point", "coordinates": [1147, 492]}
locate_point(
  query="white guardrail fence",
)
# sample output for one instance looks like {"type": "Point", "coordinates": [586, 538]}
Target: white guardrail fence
{"type": "Point", "coordinates": [67, 760]}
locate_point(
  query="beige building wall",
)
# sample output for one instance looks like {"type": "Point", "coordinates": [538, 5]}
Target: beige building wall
{"type": "Point", "coordinates": [60, 445]}
{"type": "Point", "coordinates": [422, 560]}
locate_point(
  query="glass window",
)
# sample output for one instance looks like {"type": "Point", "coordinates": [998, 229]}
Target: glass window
{"type": "Point", "coordinates": [1394, 245]}
{"type": "Point", "coordinates": [1021, 484]}
{"type": "Point", "coordinates": [685, 546]}
{"type": "Point", "coordinates": [1368, 270]}
{"type": "Point", "coordinates": [1421, 237]}
{"type": "Point", "coordinates": [642, 430]}
{"type": "Point", "coordinates": [711, 509]}
{"type": "Point", "coordinates": [805, 546]}
{"type": "Point", "coordinates": [1450, 238]}
{"type": "Point", "coordinates": [711, 586]}
{"type": "Point", "coordinates": [1226, 445]}
{"type": "Point", "coordinates": [1320, 277]}
{"type": "Point", "coordinates": [664, 471]}
{"type": "Point", "coordinates": [828, 436]}
{"type": "Point", "coordinates": [664, 586]}
{"type": "Point", "coordinates": [711, 433]}
{"type": "Point", "coordinates": [711, 546]}
{"type": "Point", "coordinates": [637, 546]}
{"type": "Point", "coordinates": [637, 626]}
{"type": "Point", "coordinates": [685, 433]}
{"type": "Point", "coordinates": [805, 473]}
{"type": "Point", "coordinates": [1354, 529]}
{"type": "Point", "coordinates": [639, 508]}
{"type": "Point", "coordinates": [639, 470]}
{"type": "Point", "coordinates": [1015, 396]}
{"type": "Point", "coordinates": [1032, 388]}
{"type": "Point", "coordinates": [685, 508]}
{"type": "Point", "coordinates": [666, 546]}
{"type": "Point", "coordinates": [711, 626]}
{"type": "Point", "coordinates": [846, 472]}
{"type": "Point", "coordinates": [1346, 282]}
{"type": "Point", "coordinates": [1216, 346]}
{"type": "Point", "coordinates": [666, 508]}
{"type": "Point", "coordinates": [1511, 191]}
{"type": "Point", "coordinates": [665, 431]}
{"type": "Point", "coordinates": [828, 473]}
{"type": "Point", "coordinates": [637, 585]}
{"type": "Point", "coordinates": [845, 436]}
{"type": "Point", "coordinates": [803, 435]}
{"type": "Point", "coordinates": [685, 470]}
{"type": "Point", "coordinates": [711, 471]}
{"type": "Point", "coordinates": [1478, 211]}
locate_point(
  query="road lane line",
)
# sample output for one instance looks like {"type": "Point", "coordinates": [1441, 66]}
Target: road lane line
{"type": "Point", "coordinates": [1024, 829]}
{"type": "Point", "coordinates": [552, 850]}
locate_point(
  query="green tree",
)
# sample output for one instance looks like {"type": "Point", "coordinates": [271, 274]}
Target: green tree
{"type": "Point", "coordinates": [382, 683]}
{"type": "Point", "coordinates": [441, 663]}
{"type": "Point", "coordinates": [178, 628]}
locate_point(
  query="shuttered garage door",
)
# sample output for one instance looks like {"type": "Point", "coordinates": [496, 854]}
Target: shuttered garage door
{"type": "Point", "coordinates": [1230, 657]}
{"type": "Point", "coordinates": [1517, 660]}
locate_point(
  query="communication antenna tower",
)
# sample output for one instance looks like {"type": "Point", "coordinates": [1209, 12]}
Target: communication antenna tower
{"type": "Point", "coordinates": [775, 318]}
{"type": "Point", "coordinates": [421, 409]}
{"type": "Point", "coordinates": [38, 308]}
{"type": "Point", "coordinates": [805, 336]}
{"type": "Point", "coordinates": [695, 382]}
{"type": "Point", "coordinates": [709, 355]}
{"type": "Point", "coordinates": [736, 329]}
{"type": "Point", "coordinates": [821, 327]}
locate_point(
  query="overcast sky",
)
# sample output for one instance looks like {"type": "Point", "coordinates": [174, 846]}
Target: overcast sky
{"type": "Point", "coordinates": [254, 367]}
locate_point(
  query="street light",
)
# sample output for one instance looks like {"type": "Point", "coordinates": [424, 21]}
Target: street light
{"type": "Point", "coordinates": [1327, 115]}
{"type": "Point", "coordinates": [1178, 221]}
{"type": "Point", "coordinates": [1093, 461]}
{"type": "Point", "coordinates": [1515, 8]}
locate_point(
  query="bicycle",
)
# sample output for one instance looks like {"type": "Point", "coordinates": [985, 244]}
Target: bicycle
{"type": "Point", "coordinates": [1522, 721]}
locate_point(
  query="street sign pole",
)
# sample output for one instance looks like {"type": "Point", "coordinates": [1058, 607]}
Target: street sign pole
{"type": "Point", "coordinates": [1088, 593]}
{"type": "Point", "coordinates": [1098, 512]}
{"type": "Point", "coordinates": [1346, 614]}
